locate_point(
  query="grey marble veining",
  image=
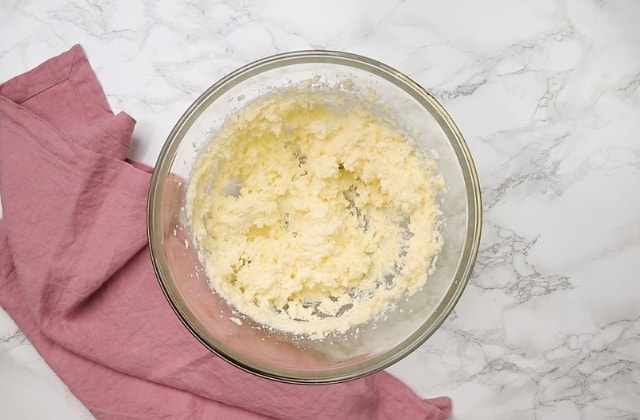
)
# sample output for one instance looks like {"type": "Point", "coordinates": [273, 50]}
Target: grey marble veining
{"type": "Point", "coordinates": [547, 94]}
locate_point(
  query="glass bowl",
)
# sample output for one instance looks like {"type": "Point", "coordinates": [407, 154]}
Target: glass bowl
{"type": "Point", "coordinates": [279, 356]}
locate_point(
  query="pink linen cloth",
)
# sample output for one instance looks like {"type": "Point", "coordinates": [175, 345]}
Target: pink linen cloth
{"type": "Point", "coordinates": [76, 275]}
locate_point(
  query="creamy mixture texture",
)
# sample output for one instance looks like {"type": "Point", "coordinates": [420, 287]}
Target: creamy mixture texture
{"type": "Point", "coordinates": [311, 215]}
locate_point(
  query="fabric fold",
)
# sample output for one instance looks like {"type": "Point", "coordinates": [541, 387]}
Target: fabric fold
{"type": "Point", "coordinates": [76, 274]}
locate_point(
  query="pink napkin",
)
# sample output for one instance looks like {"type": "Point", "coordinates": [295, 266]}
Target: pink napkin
{"type": "Point", "coordinates": [76, 276]}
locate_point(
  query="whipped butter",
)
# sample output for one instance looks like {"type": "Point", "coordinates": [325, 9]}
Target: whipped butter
{"type": "Point", "coordinates": [312, 215]}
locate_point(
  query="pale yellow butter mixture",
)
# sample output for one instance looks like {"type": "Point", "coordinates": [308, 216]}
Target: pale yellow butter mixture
{"type": "Point", "coordinates": [311, 215]}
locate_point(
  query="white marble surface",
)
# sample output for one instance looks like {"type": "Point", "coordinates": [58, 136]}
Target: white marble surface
{"type": "Point", "coordinates": [547, 94]}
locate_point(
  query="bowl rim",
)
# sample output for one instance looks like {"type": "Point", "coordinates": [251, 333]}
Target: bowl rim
{"type": "Point", "coordinates": [426, 100]}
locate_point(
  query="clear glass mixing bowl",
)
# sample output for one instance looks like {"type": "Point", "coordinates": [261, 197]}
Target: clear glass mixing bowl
{"type": "Point", "coordinates": [278, 356]}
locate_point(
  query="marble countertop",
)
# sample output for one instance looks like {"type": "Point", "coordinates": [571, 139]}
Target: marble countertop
{"type": "Point", "coordinates": [547, 94]}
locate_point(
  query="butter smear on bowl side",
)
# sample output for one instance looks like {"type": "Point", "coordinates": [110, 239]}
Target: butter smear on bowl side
{"type": "Point", "coordinates": [311, 214]}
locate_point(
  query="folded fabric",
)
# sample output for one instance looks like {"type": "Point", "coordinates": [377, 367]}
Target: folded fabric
{"type": "Point", "coordinates": [76, 275]}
